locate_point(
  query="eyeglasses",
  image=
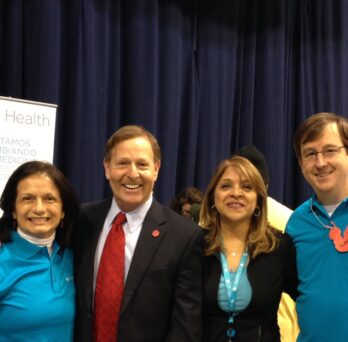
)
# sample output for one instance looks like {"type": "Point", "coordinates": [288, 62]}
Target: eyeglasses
{"type": "Point", "coordinates": [328, 153]}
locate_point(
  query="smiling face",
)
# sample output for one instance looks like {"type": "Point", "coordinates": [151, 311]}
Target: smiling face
{"type": "Point", "coordinates": [132, 172]}
{"type": "Point", "coordinates": [327, 176]}
{"type": "Point", "coordinates": [235, 199]}
{"type": "Point", "coordinates": [38, 206]}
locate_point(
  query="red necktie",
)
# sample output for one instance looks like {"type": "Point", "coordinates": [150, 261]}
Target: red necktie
{"type": "Point", "coordinates": [110, 283]}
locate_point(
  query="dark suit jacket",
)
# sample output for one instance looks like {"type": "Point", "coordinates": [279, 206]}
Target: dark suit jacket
{"type": "Point", "coordinates": [162, 295]}
{"type": "Point", "coordinates": [269, 275]}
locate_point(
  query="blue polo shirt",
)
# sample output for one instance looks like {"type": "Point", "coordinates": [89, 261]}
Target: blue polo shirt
{"type": "Point", "coordinates": [322, 305]}
{"type": "Point", "coordinates": [37, 293]}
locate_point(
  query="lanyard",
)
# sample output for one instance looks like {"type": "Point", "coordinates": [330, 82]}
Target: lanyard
{"type": "Point", "coordinates": [340, 242]}
{"type": "Point", "coordinates": [232, 288]}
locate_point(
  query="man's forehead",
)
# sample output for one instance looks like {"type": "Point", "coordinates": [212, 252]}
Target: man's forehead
{"type": "Point", "coordinates": [137, 143]}
{"type": "Point", "coordinates": [133, 150]}
{"type": "Point", "coordinates": [328, 136]}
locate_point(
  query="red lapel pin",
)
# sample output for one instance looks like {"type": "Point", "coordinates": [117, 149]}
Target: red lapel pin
{"type": "Point", "coordinates": [155, 233]}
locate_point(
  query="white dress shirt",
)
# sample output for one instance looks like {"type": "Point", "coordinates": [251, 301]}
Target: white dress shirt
{"type": "Point", "coordinates": [131, 228]}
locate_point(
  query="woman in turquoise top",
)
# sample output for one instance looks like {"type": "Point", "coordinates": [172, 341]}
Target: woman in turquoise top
{"type": "Point", "coordinates": [37, 294]}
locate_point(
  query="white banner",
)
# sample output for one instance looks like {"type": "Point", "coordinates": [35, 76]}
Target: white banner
{"type": "Point", "coordinates": [27, 131]}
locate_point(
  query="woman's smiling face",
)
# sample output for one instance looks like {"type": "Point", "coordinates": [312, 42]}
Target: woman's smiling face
{"type": "Point", "coordinates": [38, 206]}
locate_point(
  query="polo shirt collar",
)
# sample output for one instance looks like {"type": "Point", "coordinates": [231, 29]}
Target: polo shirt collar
{"type": "Point", "coordinates": [24, 248]}
{"type": "Point", "coordinates": [316, 204]}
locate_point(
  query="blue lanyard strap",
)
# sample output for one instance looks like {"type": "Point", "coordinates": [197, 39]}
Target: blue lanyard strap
{"type": "Point", "coordinates": [232, 288]}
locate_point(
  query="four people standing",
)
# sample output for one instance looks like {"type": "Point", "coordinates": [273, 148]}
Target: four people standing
{"type": "Point", "coordinates": [156, 294]}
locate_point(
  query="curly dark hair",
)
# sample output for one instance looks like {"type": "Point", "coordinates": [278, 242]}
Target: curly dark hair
{"type": "Point", "coordinates": [190, 195]}
{"type": "Point", "coordinates": [66, 191]}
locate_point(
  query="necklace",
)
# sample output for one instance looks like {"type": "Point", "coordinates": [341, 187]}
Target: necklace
{"type": "Point", "coordinates": [236, 251]}
{"type": "Point", "coordinates": [340, 243]}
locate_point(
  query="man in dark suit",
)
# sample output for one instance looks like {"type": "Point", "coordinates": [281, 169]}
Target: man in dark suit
{"type": "Point", "coordinates": [162, 269]}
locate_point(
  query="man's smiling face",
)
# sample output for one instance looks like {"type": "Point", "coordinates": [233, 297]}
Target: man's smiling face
{"type": "Point", "coordinates": [132, 172]}
{"type": "Point", "coordinates": [328, 176]}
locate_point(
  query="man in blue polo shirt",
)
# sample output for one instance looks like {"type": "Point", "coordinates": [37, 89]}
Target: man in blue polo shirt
{"type": "Point", "coordinates": [318, 228]}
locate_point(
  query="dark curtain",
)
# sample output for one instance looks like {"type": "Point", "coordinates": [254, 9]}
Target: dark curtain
{"type": "Point", "coordinates": [206, 77]}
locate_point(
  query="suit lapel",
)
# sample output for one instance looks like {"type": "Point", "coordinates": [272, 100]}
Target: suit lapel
{"type": "Point", "coordinates": [96, 218]}
{"type": "Point", "coordinates": [151, 235]}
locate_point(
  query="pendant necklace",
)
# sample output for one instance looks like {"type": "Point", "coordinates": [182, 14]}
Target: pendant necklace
{"type": "Point", "coordinates": [235, 252]}
{"type": "Point", "coordinates": [340, 243]}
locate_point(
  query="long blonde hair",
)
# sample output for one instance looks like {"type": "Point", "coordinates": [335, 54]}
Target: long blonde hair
{"type": "Point", "coordinates": [261, 237]}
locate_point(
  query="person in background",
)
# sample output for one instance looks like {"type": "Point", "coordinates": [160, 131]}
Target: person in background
{"type": "Point", "coordinates": [156, 271]}
{"type": "Point", "coordinates": [278, 216]}
{"type": "Point", "coordinates": [185, 199]}
{"type": "Point", "coordinates": [247, 263]}
{"type": "Point", "coordinates": [319, 229]}
{"type": "Point", "coordinates": [195, 212]}
{"type": "Point", "coordinates": [37, 293]}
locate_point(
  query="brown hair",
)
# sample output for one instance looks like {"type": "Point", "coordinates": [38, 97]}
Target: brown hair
{"type": "Point", "coordinates": [261, 237]}
{"type": "Point", "coordinates": [66, 191]}
{"type": "Point", "coordinates": [131, 132]}
{"type": "Point", "coordinates": [312, 128]}
{"type": "Point", "coordinates": [190, 195]}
